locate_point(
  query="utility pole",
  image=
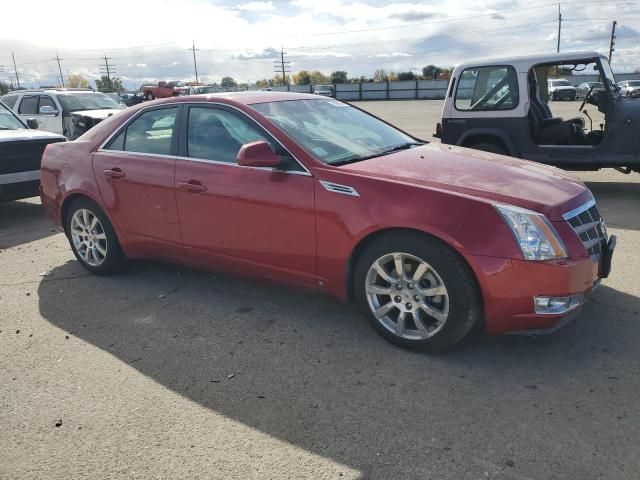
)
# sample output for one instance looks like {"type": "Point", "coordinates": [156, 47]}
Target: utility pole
{"type": "Point", "coordinates": [559, 28]}
{"type": "Point", "coordinates": [283, 66]}
{"type": "Point", "coordinates": [108, 69]}
{"type": "Point", "coordinates": [613, 40]}
{"type": "Point", "coordinates": [195, 64]}
{"type": "Point", "coordinates": [59, 68]}
{"type": "Point", "coordinates": [15, 69]}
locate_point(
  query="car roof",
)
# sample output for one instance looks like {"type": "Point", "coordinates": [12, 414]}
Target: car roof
{"type": "Point", "coordinates": [522, 63]}
{"type": "Point", "coordinates": [245, 98]}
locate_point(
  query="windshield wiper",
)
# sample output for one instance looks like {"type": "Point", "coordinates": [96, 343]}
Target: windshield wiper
{"type": "Point", "coordinates": [396, 148]}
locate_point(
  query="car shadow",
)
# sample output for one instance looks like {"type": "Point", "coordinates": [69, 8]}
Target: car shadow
{"type": "Point", "coordinates": [23, 222]}
{"type": "Point", "coordinates": [307, 369]}
{"type": "Point", "coordinates": [618, 203]}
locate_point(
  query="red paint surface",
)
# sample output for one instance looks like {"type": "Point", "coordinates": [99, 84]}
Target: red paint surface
{"type": "Point", "coordinates": [289, 228]}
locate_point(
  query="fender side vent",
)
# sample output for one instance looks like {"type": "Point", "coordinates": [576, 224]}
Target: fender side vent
{"type": "Point", "coordinates": [337, 188]}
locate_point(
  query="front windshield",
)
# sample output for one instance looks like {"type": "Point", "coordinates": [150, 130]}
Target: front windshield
{"type": "Point", "coordinates": [634, 84]}
{"type": "Point", "coordinates": [560, 83]}
{"type": "Point", "coordinates": [8, 121]}
{"type": "Point", "coordinates": [73, 102]}
{"type": "Point", "coordinates": [334, 132]}
{"type": "Point", "coordinates": [608, 75]}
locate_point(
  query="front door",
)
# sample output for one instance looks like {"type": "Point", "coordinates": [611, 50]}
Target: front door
{"type": "Point", "coordinates": [135, 174]}
{"type": "Point", "coordinates": [52, 120]}
{"type": "Point", "coordinates": [255, 220]}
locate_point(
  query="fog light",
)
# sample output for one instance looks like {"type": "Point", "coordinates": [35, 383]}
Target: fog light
{"type": "Point", "coordinates": [556, 305]}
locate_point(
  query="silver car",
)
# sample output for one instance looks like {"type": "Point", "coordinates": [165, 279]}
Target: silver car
{"type": "Point", "coordinates": [584, 88]}
{"type": "Point", "coordinates": [630, 88]}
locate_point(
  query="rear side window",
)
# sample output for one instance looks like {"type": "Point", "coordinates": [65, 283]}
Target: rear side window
{"type": "Point", "coordinates": [46, 101]}
{"type": "Point", "coordinates": [150, 133]}
{"type": "Point", "coordinates": [487, 88]}
{"type": "Point", "coordinates": [9, 100]}
{"type": "Point", "coordinates": [29, 105]}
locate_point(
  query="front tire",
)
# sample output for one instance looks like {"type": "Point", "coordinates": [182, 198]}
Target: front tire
{"type": "Point", "coordinates": [148, 96]}
{"type": "Point", "coordinates": [416, 292]}
{"type": "Point", "coordinates": [92, 238]}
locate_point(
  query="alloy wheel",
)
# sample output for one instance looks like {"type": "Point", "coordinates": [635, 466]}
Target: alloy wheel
{"type": "Point", "coordinates": [89, 237]}
{"type": "Point", "coordinates": [407, 296]}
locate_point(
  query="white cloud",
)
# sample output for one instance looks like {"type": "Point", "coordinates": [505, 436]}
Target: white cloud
{"type": "Point", "coordinates": [391, 55]}
{"type": "Point", "coordinates": [257, 6]}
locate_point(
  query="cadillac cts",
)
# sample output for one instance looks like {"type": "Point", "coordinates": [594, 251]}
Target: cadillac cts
{"type": "Point", "coordinates": [430, 240]}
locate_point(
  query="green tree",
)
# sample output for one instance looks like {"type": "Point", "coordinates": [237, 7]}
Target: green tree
{"type": "Point", "coordinates": [318, 78]}
{"type": "Point", "coordinates": [380, 75]}
{"type": "Point", "coordinates": [76, 81]}
{"type": "Point", "coordinates": [4, 88]}
{"type": "Point", "coordinates": [402, 76]}
{"type": "Point", "coordinates": [431, 72]}
{"type": "Point", "coordinates": [339, 76]}
{"type": "Point", "coordinates": [228, 82]}
{"type": "Point", "coordinates": [277, 80]}
{"type": "Point", "coordinates": [302, 78]}
{"type": "Point", "coordinates": [109, 85]}
{"type": "Point", "coordinates": [262, 83]}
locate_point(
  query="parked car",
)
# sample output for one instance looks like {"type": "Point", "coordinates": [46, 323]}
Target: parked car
{"type": "Point", "coordinates": [312, 191]}
{"type": "Point", "coordinates": [324, 90]}
{"type": "Point", "coordinates": [630, 88]}
{"type": "Point", "coordinates": [499, 105]}
{"type": "Point", "coordinates": [164, 90]}
{"type": "Point", "coordinates": [65, 111]}
{"type": "Point", "coordinates": [131, 99]}
{"type": "Point", "coordinates": [561, 89]}
{"type": "Point", "coordinates": [584, 88]}
{"type": "Point", "coordinates": [21, 150]}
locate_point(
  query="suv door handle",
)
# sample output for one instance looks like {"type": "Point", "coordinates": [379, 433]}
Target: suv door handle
{"type": "Point", "coordinates": [192, 186]}
{"type": "Point", "coordinates": [114, 173]}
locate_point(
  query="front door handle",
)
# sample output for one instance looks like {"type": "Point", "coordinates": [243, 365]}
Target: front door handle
{"type": "Point", "coordinates": [114, 173]}
{"type": "Point", "coordinates": [192, 186]}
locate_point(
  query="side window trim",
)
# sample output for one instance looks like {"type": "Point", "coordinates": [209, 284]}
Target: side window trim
{"type": "Point", "coordinates": [510, 72]}
{"type": "Point", "coordinates": [183, 151]}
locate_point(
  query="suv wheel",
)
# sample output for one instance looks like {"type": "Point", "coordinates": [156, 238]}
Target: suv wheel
{"type": "Point", "coordinates": [416, 292]}
{"type": "Point", "coordinates": [148, 96]}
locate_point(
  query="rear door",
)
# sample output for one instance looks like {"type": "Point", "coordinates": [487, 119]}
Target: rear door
{"type": "Point", "coordinates": [135, 173]}
{"type": "Point", "coordinates": [51, 122]}
{"type": "Point", "coordinates": [257, 220]}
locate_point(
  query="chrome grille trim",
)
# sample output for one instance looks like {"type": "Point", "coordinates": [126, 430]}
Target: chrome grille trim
{"type": "Point", "coordinates": [588, 224]}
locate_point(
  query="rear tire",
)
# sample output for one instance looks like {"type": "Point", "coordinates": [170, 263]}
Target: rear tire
{"type": "Point", "coordinates": [148, 96]}
{"type": "Point", "coordinates": [431, 306]}
{"type": "Point", "coordinates": [92, 238]}
{"type": "Point", "coordinates": [489, 147]}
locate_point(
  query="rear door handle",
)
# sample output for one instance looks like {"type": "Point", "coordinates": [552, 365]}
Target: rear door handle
{"type": "Point", "coordinates": [114, 173]}
{"type": "Point", "coordinates": [192, 186]}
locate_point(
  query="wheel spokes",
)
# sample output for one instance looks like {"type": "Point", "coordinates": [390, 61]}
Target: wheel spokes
{"type": "Point", "coordinates": [383, 273]}
{"type": "Point", "coordinates": [433, 313]}
{"type": "Point", "coordinates": [400, 323]}
{"type": "Point", "coordinates": [433, 291]}
{"type": "Point", "coordinates": [398, 261]}
{"type": "Point", "coordinates": [383, 310]}
{"type": "Point", "coordinates": [378, 290]}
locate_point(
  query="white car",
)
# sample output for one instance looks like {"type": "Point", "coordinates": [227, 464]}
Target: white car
{"type": "Point", "coordinates": [560, 89]}
{"type": "Point", "coordinates": [630, 88]}
{"type": "Point", "coordinates": [65, 111]}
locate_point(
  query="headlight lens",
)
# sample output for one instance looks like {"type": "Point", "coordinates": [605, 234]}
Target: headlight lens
{"type": "Point", "coordinates": [534, 233]}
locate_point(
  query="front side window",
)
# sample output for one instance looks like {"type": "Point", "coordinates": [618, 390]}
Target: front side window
{"type": "Point", "coordinates": [487, 88]}
{"type": "Point", "coordinates": [150, 133]}
{"type": "Point", "coordinates": [334, 132]}
{"type": "Point", "coordinates": [8, 120]}
{"type": "Point", "coordinates": [9, 100]}
{"type": "Point", "coordinates": [216, 134]}
{"type": "Point", "coordinates": [29, 105]}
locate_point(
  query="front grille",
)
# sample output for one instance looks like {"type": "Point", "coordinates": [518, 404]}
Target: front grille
{"type": "Point", "coordinates": [589, 226]}
{"type": "Point", "coordinates": [23, 155]}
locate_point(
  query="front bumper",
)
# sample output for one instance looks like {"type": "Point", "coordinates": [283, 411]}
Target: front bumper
{"type": "Point", "coordinates": [509, 287]}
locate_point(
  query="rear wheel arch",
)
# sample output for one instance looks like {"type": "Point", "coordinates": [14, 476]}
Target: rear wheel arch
{"type": "Point", "coordinates": [490, 139]}
{"type": "Point", "coordinates": [68, 201]}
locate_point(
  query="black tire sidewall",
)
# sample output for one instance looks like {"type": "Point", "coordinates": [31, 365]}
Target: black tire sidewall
{"type": "Point", "coordinates": [464, 299]}
{"type": "Point", "coordinates": [114, 260]}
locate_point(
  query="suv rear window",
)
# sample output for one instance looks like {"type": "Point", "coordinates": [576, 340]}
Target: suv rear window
{"type": "Point", "coordinates": [487, 88]}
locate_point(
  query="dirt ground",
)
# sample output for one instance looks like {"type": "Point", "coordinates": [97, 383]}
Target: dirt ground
{"type": "Point", "coordinates": [163, 372]}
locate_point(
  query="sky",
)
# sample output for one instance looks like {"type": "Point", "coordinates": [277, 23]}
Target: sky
{"type": "Point", "coordinates": [151, 40]}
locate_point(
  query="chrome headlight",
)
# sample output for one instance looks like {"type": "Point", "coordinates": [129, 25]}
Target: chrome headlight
{"type": "Point", "coordinates": [536, 237]}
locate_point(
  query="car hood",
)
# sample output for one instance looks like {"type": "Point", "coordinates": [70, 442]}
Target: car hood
{"type": "Point", "coordinates": [100, 114]}
{"type": "Point", "coordinates": [494, 178]}
{"type": "Point", "coordinates": [26, 134]}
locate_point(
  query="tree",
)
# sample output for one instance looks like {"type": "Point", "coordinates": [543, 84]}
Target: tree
{"type": "Point", "coordinates": [302, 78]}
{"type": "Point", "coordinates": [277, 80]}
{"type": "Point", "coordinates": [262, 83]}
{"type": "Point", "coordinates": [402, 76]}
{"type": "Point", "coordinates": [76, 81]}
{"type": "Point", "coordinates": [228, 82]}
{"type": "Point", "coordinates": [4, 88]}
{"type": "Point", "coordinates": [392, 76]}
{"type": "Point", "coordinates": [318, 78]}
{"type": "Point", "coordinates": [109, 85]}
{"type": "Point", "coordinates": [339, 76]}
{"type": "Point", "coordinates": [431, 72]}
{"type": "Point", "coordinates": [380, 75]}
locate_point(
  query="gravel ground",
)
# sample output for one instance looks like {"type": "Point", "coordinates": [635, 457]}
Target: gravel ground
{"type": "Point", "coordinates": [163, 372]}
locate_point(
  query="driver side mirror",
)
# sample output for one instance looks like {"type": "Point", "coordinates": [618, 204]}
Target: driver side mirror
{"type": "Point", "coordinates": [32, 123]}
{"type": "Point", "coordinates": [48, 110]}
{"type": "Point", "coordinates": [257, 154]}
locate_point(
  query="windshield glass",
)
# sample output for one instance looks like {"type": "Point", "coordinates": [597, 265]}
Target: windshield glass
{"type": "Point", "coordinates": [634, 84]}
{"type": "Point", "coordinates": [87, 101]}
{"type": "Point", "coordinates": [8, 121]}
{"type": "Point", "coordinates": [609, 79]}
{"type": "Point", "coordinates": [334, 132]}
{"type": "Point", "coordinates": [560, 83]}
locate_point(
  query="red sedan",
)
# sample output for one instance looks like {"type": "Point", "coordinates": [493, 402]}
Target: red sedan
{"type": "Point", "coordinates": [430, 240]}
